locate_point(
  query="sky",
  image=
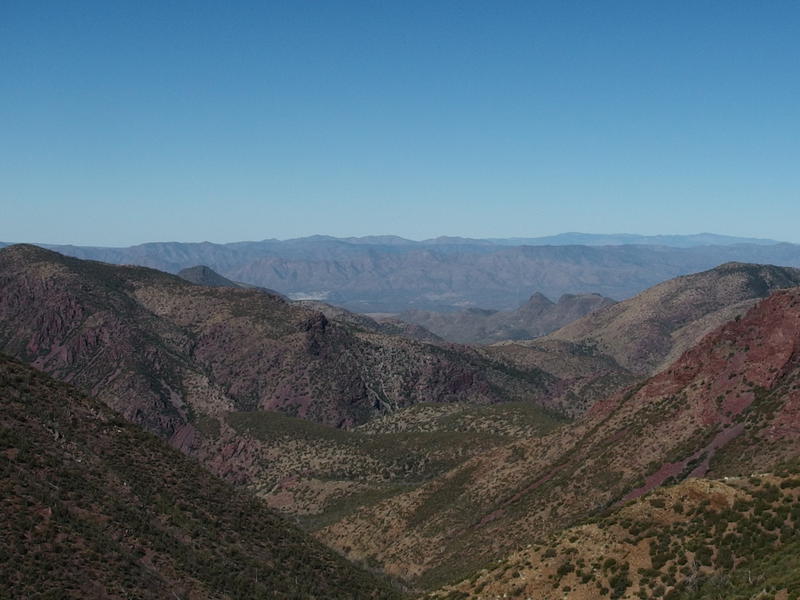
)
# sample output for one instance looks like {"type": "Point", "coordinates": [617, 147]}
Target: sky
{"type": "Point", "coordinates": [132, 121]}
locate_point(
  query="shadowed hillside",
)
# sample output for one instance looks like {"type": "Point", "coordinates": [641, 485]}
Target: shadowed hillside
{"type": "Point", "coordinates": [234, 377]}
{"type": "Point", "coordinates": [93, 507]}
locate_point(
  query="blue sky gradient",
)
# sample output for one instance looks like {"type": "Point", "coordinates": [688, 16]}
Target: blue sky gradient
{"type": "Point", "coordinates": [126, 122]}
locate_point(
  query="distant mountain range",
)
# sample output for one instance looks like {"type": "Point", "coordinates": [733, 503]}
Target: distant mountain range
{"type": "Point", "coordinates": [390, 274]}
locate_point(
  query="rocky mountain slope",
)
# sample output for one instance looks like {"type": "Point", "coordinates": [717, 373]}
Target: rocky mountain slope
{"type": "Point", "coordinates": [234, 377]}
{"type": "Point", "coordinates": [202, 275]}
{"type": "Point", "coordinates": [737, 538]}
{"type": "Point", "coordinates": [584, 374]}
{"type": "Point", "coordinates": [730, 406]}
{"type": "Point", "coordinates": [649, 331]}
{"type": "Point", "coordinates": [93, 507]}
{"type": "Point", "coordinates": [537, 317]}
{"type": "Point", "coordinates": [161, 350]}
{"type": "Point", "coordinates": [385, 274]}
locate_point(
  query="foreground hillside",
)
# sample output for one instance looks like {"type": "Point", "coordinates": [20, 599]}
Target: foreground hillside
{"type": "Point", "coordinates": [647, 332]}
{"type": "Point", "coordinates": [92, 507]}
{"type": "Point", "coordinates": [729, 406]}
{"type": "Point", "coordinates": [736, 539]}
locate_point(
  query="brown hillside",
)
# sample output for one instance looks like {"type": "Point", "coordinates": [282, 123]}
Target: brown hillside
{"type": "Point", "coordinates": [729, 406]}
{"type": "Point", "coordinates": [736, 539]}
{"type": "Point", "coordinates": [93, 507]}
{"type": "Point", "coordinates": [649, 331]}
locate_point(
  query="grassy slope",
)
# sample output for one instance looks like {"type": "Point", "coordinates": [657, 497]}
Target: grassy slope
{"type": "Point", "coordinates": [95, 508]}
{"type": "Point", "coordinates": [321, 474]}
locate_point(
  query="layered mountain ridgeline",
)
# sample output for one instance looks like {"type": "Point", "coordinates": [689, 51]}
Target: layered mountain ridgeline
{"type": "Point", "coordinates": [730, 406]}
{"type": "Point", "coordinates": [209, 368]}
{"type": "Point", "coordinates": [647, 332]}
{"type": "Point", "coordinates": [537, 317]}
{"type": "Point", "coordinates": [92, 507]}
{"type": "Point", "coordinates": [386, 274]}
{"type": "Point", "coordinates": [202, 275]}
{"type": "Point", "coordinates": [737, 539]}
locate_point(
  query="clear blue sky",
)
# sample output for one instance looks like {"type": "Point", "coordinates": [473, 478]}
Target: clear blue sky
{"type": "Point", "coordinates": [124, 122]}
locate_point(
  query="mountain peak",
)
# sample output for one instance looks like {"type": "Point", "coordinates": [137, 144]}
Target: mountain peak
{"type": "Point", "coordinates": [539, 299]}
{"type": "Point", "coordinates": [203, 275]}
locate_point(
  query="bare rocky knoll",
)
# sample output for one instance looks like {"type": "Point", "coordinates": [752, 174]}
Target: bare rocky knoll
{"type": "Point", "coordinates": [203, 275]}
{"type": "Point", "coordinates": [737, 538]}
{"type": "Point", "coordinates": [94, 507]}
{"type": "Point", "coordinates": [649, 331]}
{"type": "Point", "coordinates": [536, 317]}
{"type": "Point", "coordinates": [729, 406]}
{"type": "Point", "coordinates": [389, 326]}
{"type": "Point", "coordinates": [389, 274]}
